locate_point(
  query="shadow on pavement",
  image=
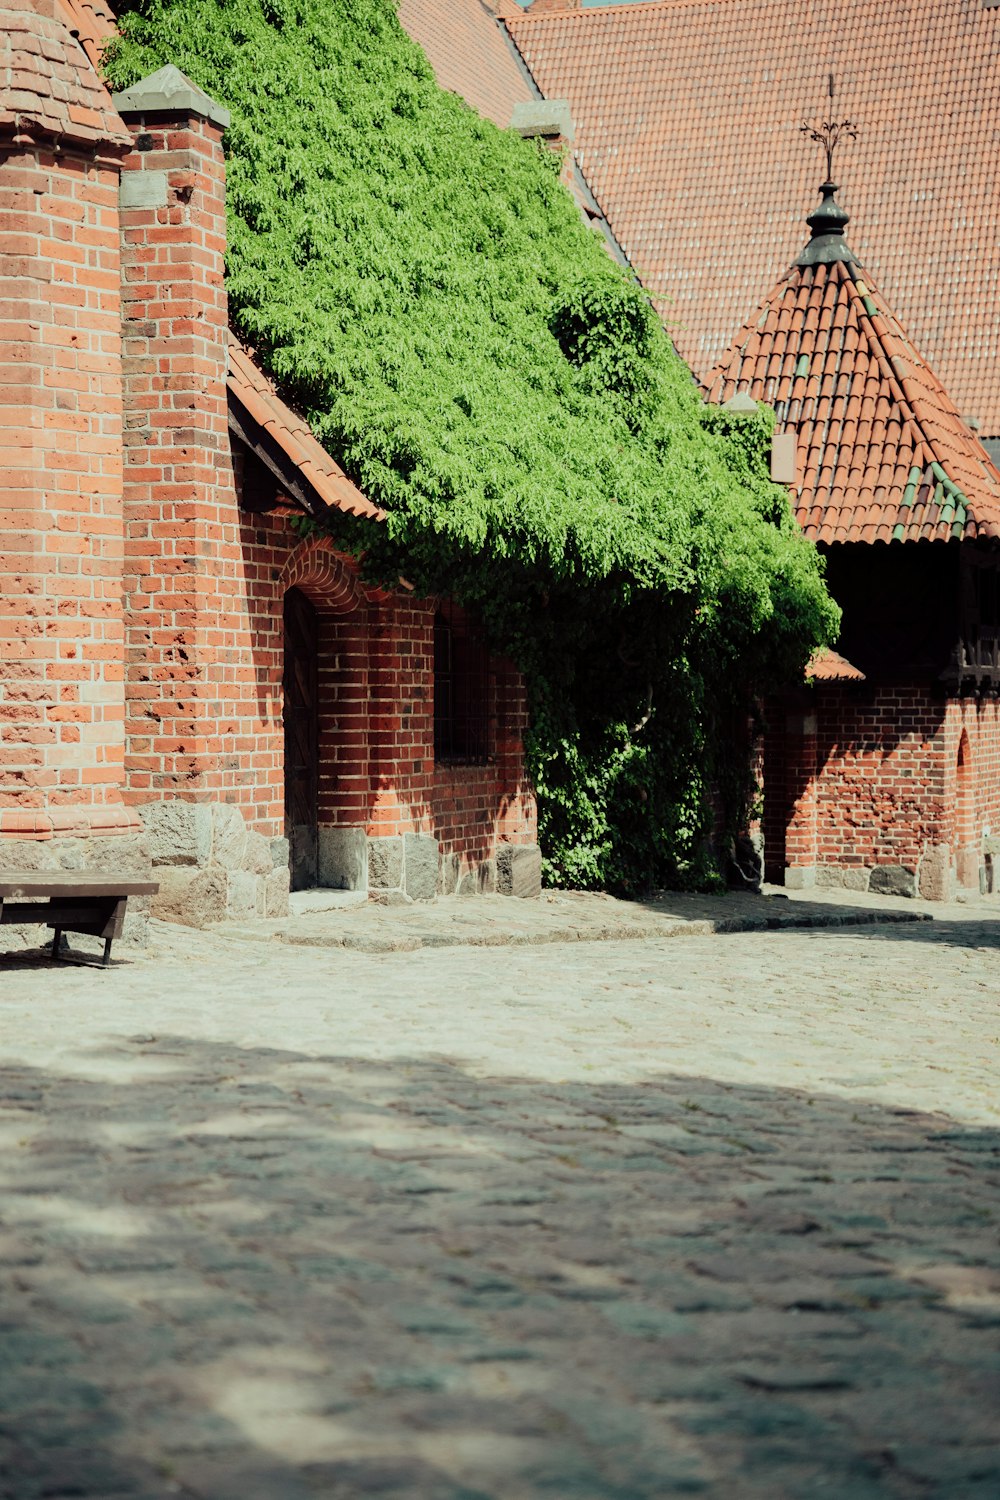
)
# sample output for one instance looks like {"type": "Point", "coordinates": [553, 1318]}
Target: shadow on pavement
{"type": "Point", "coordinates": [958, 932]}
{"type": "Point", "coordinates": [249, 1274]}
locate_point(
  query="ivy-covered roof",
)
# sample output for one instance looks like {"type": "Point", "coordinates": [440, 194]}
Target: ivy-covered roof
{"type": "Point", "coordinates": [422, 285]}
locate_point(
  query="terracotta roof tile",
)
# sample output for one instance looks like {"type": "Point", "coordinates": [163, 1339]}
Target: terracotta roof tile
{"type": "Point", "coordinates": [830, 666]}
{"type": "Point", "coordinates": [92, 22]}
{"type": "Point", "coordinates": [258, 397]}
{"type": "Point", "coordinates": [881, 451]}
{"type": "Point", "coordinates": [47, 85]}
{"type": "Point", "coordinates": [686, 116]}
{"type": "Point", "coordinates": [469, 53]}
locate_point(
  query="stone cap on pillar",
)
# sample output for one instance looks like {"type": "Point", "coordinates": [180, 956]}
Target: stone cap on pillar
{"type": "Point", "coordinates": [169, 91]}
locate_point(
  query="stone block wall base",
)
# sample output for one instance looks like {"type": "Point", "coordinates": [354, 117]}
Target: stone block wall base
{"type": "Point", "coordinates": [936, 873]}
{"type": "Point", "coordinates": [843, 877]}
{"type": "Point", "coordinates": [343, 859]}
{"type": "Point", "coordinates": [892, 880]}
{"type": "Point", "coordinates": [519, 870]}
{"type": "Point", "coordinates": [125, 854]}
{"type": "Point", "coordinates": [412, 867]}
{"type": "Point", "coordinates": [406, 864]}
{"type": "Point", "coordinates": [800, 877]}
{"type": "Point", "coordinates": [933, 879]}
{"type": "Point", "coordinates": [211, 866]}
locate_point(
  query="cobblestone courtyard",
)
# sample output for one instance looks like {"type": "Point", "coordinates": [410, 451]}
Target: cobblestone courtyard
{"type": "Point", "coordinates": [595, 1221]}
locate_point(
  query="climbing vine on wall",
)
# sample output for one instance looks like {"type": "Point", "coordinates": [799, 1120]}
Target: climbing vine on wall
{"type": "Point", "coordinates": [423, 286]}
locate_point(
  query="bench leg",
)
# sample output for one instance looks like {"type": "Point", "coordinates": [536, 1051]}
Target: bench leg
{"type": "Point", "coordinates": [107, 952]}
{"type": "Point", "coordinates": [56, 942]}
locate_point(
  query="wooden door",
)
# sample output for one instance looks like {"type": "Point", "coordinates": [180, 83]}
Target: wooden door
{"type": "Point", "coordinates": [301, 716]}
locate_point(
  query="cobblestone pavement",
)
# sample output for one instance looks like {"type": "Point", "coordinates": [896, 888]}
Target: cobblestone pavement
{"type": "Point", "coordinates": [715, 1215]}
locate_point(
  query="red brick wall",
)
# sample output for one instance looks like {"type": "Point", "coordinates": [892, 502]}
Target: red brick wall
{"type": "Point", "coordinates": [61, 625]}
{"type": "Point", "coordinates": [376, 688]}
{"type": "Point", "coordinates": [206, 583]}
{"type": "Point", "coordinates": [200, 722]}
{"type": "Point", "coordinates": [878, 782]}
{"type": "Point", "coordinates": [979, 720]}
{"type": "Point", "coordinates": [880, 795]}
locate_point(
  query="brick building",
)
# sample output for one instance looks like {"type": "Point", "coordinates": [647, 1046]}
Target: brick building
{"type": "Point", "coordinates": [186, 678]}
{"type": "Point", "coordinates": [884, 772]}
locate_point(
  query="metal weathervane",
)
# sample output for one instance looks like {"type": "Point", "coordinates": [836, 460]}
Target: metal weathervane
{"type": "Point", "coordinates": [829, 133]}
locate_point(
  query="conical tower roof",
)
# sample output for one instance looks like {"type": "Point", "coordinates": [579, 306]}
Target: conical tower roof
{"type": "Point", "coordinates": [48, 88]}
{"type": "Point", "coordinates": [882, 454]}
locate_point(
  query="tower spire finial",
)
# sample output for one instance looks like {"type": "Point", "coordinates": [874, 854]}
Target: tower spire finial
{"type": "Point", "coordinates": [829, 133]}
{"type": "Point", "coordinates": [829, 221]}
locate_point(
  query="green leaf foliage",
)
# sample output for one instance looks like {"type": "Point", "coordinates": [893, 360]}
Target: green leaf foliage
{"type": "Point", "coordinates": [423, 286]}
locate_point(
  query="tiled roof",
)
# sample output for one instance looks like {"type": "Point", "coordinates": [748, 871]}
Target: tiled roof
{"type": "Point", "coordinates": [830, 666]}
{"type": "Point", "coordinates": [469, 53]}
{"type": "Point", "coordinates": [259, 399]}
{"type": "Point", "coordinates": [47, 86]}
{"type": "Point", "coordinates": [472, 55]}
{"type": "Point", "coordinates": [686, 115]}
{"type": "Point", "coordinates": [92, 22]}
{"type": "Point", "coordinates": [881, 451]}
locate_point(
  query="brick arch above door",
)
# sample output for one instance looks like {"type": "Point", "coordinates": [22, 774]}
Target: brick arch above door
{"type": "Point", "coordinates": [328, 578]}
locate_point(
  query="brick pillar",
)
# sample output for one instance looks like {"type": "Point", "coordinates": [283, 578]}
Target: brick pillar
{"type": "Point", "coordinates": [801, 773]}
{"type": "Point", "coordinates": [183, 555]}
{"type": "Point", "coordinates": [61, 626]}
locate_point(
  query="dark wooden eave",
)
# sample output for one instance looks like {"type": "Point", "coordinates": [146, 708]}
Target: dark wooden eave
{"type": "Point", "coordinates": [288, 477]}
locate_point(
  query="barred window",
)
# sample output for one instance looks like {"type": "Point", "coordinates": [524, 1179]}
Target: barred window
{"type": "Point", "coordinates": [461, 690]}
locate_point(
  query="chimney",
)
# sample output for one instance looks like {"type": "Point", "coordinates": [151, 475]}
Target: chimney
{"type": "Point", "coordinates": [181, 517]}
{"type": "Point", "coordinates": [548, 121]}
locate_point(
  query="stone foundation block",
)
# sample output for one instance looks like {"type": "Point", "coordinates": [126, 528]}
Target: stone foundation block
{"type": "Point", "coordinates": [842, 877]}
{"type": "Point", "coordinates": [448, 874]}
{"type": "Point", "coordinates": [179, 833]}
{"type": "Point", "coordinates": [343, 858]}
{"type": "Point", "coordinates": [390, 898]}
{"type": "Point", "coordinates": [241, 895]}
{"type": "Point", "coordinates": [257, 855]}
{"type": "Point", "coordinates": [519, 870]}
{"type": "Point", "coordinates": [385, 864]}
{"type": "Point", "coordinates": [275, 893]}
{"type": "Point", "coordinates": [800, 877]}
{"type": "Point", "coordinates": [480, 881]}
{"type": "Point", "coordinates": [191, 896]}
{"type": "Point", "coordinates": [893, 880]}
{"type": "Point", "coordinates": [420, 866]}
{"type": "Point", "coordinates": [935, 877]}
{"type": "Point", "coordinates": [229, 836]}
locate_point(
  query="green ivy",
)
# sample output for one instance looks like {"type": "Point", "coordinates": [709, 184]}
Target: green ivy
{"type": "Point", "coordinates": [424, 288]}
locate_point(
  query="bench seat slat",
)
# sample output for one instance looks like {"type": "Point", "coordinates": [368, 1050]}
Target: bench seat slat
{"type": "Point", "coordinates": [30, 885]}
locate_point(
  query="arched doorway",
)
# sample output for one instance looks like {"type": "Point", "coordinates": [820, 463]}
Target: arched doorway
{"type": "Point", "coordinates": [301, 724]}
{"type": "Point", "coordinates": [325, 692]}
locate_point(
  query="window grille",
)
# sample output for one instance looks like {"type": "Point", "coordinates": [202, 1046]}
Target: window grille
{"type": "Point", "coordinates": [461, 690]}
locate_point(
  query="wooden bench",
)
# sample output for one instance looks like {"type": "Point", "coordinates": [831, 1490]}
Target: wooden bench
{"type": "Point", "coordinates": [70, 902]}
